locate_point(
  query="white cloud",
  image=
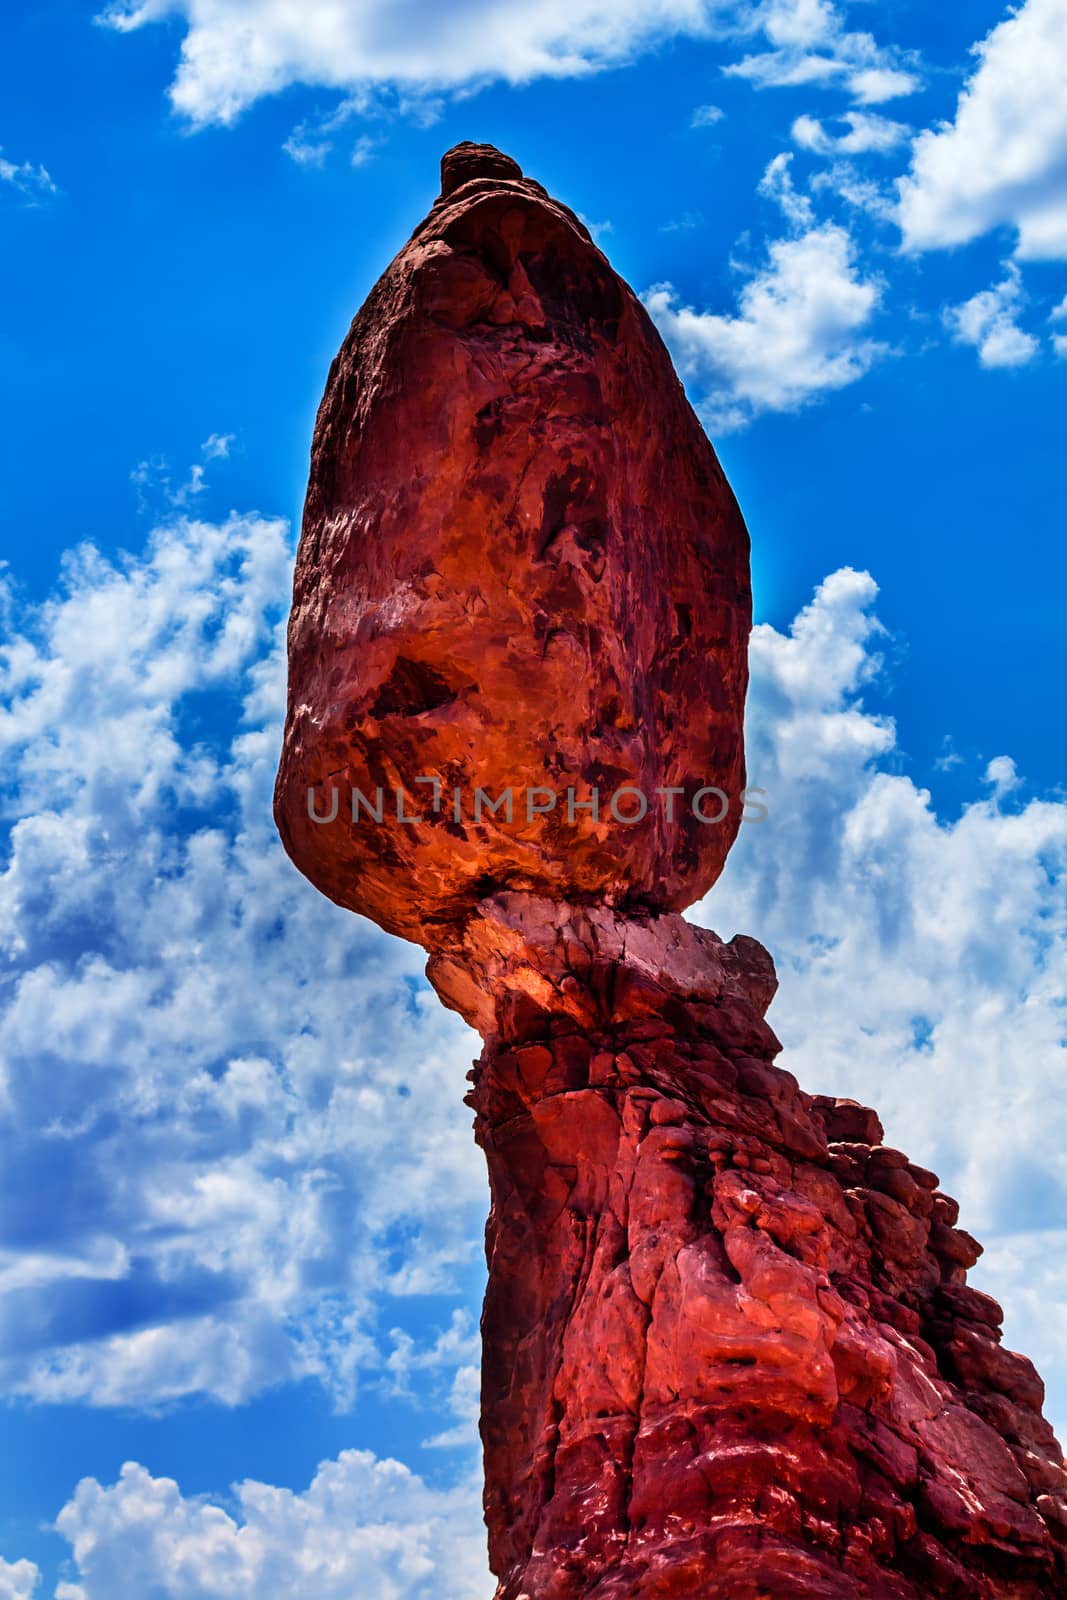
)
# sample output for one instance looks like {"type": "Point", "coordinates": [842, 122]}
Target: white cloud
{"type": "Point", "coordinates": [18, 1580]}
{"type": "Point", "coordinates": [706, 116]}
{"type": "Point", "coordinates": [405, 58]}
{"type": "Point", "coordinates": [466, 1403]}
{"type": "Point", "coordinates": [1059, 340]}
{"type": "Point", "coordinates": [867, 132]}
{"type": "Point", "coordinates": [812, 46]}
{"type": "Point", "coordinates": [157, 491]}
{"type": "Point", "coordinates": [599, 230]}
{"type": "Point", "coordinates": [856, 189]}
{"type": "Point", "coordinates": [306, 146]}
{"type": "Point", "coordinates": [225, 1070]}
{"type": "Point", "coordinates": [777, 185]}
{"type": "Point", "coordinates": [365, 149]}
{"type": "Point", "coordinates": [236, 51]}
{"type": "Point", "coordinates": [874, 85]}
{"type": "Point", "coordinates": [216, 447]}
{"type": "Point", "coordinates": [1003, 161]}
{"type": "Point", "coordinates": [949, 757]}
{"type": "Point", "coordinates": [457, 1351]}
{"type": "Point", "coordinates": [33, 183]}
{"type": "Point", "coordinates": [363, 1527]}
{"type": "Point", "coordinates": [798, 331]}
{"type": "Point", "coordinates": [1002, 776]}
{"type": "Point", "coordinates": [988, 321]}
{"type": "Point", "coordinates": [683, 224]}
{"type": "Point", "coordinates": [921, 960]}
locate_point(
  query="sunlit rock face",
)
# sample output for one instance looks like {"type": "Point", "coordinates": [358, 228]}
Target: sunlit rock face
{"type": "Point", "coordinates": [729, 1346]}
{"type": "Point", "coordinates": [521, 569]}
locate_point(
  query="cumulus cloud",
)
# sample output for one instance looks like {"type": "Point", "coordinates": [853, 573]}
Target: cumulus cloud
{"type": "Point", "coordinates": [225, 1100]}
{"type": "Point", "coordinates": [18, 1580]}
{"type": "Point", "coordinates": [799, 329]}
{"type": "Point", "coordinates": [363, 1527]}
{"type": "Point", "coordinates": [234, 52]}
{"type": "Point", "coordinates": [988, 321]}
{"type": "Point", "coordinates": [921, 960]}
{"type": "Point", "coordinates": [1002, 161]}
{"type": "Point", "coordinates": [868, 132]}
{"type": "Point", "coordinates": [706, 116]}
{"type": "Point", "coordinates": [845, 177]}
{"type": "Point", "coordinates": [1002, 775]}
{"type": "Point", "coordinates": [811, 45]}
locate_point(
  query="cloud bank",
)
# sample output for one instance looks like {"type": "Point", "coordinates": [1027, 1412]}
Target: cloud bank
{"type": "Point", "coordinates": [988, 321]}
{"type": "Point", "coordinates": [224, 1099]}
{"type": "Point", "coordinates": [363, 1527]}
{"type": "Point", "coordinates": [235, 52]}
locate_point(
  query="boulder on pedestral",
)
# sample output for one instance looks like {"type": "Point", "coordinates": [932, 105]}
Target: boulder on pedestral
{"type": "Point", "coordinates": [729, 1345]}
{"type": "Point", "coordinates": [521, 569]}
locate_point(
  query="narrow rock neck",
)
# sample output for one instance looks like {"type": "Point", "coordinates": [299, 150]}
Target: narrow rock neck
{"type": "Point", "coordinates": [525, 959]}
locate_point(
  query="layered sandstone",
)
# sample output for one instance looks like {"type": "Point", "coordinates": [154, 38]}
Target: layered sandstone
{"type": "Point", "coordinates": [729, 1346]}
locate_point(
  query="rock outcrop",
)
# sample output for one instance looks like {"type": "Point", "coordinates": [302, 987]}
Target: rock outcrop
{"type": "Point", "coordinates": [729, 1346]}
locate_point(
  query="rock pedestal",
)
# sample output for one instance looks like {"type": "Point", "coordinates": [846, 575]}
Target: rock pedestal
{"type": "Point", "coordinates": [729, 1346]}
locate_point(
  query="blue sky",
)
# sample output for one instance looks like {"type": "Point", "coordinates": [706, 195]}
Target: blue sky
{"type": "Point", "coordinates": [240, 1207]}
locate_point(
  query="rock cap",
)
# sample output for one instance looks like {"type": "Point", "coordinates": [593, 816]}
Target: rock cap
{"type": "Point", "coordinates": [467, 161]}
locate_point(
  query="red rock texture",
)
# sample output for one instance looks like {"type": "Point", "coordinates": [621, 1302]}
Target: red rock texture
{"type": "Point", "coordinates": [730, 1349]}
{"type": "Point", "coordinates": [729, 1346]}
{"type": "Point", "coordinates": [521, 567]}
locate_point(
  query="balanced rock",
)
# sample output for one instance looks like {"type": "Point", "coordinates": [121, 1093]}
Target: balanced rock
{"type": "Point", "coordinates": [522, 571]}
{"type": "Point", "coordinates": [730, 1349]}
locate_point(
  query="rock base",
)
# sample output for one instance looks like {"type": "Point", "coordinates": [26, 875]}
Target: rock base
{"type": "Point", "coordinates": [730, 1349]}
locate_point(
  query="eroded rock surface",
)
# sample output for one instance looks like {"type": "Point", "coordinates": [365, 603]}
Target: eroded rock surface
{"type": "Point", "coordinates": [729, 1345]}
{"type": "Point", "coordinates": [521, 568]}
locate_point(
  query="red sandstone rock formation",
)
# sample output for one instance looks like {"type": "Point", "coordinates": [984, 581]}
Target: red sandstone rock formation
{"type": "Point", "coordinates": [521, 567]}
{"type": "Point", "coordinates": [730, 1349]}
